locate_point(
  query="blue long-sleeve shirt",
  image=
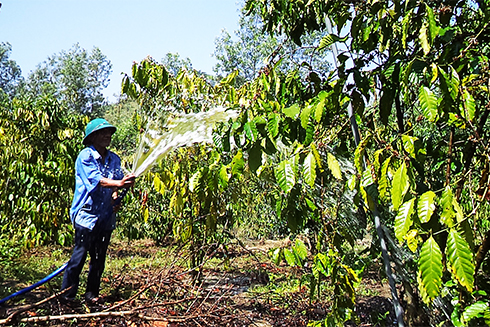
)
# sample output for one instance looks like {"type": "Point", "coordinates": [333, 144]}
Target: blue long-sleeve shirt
{"type": "Point", "coordinates": [92, 203]}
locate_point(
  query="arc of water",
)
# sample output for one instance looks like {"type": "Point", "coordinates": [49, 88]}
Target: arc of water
{"type": "Point", "coordinates": [182, 130]}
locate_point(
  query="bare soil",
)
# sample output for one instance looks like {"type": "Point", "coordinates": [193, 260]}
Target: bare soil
{"type": "Point", "coordinates": [144, 286]}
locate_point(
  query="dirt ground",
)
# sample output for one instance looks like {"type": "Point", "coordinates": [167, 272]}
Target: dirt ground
{"type": "Point", "coordinates": [143, 287]}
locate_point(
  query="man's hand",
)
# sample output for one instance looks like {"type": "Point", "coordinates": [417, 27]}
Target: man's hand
{"type": "Point", "coordinates": [128, 180]}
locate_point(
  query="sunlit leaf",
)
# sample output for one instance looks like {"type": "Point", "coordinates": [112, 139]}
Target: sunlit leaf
{"type": "Point", "coordinates": [430, 269]}
{"type": "Point", "coordinates": [369, 190]}
{"type": "Point", "coordinates": [292, 111]}
{"type": "Point", "coordinates": [469, 106]}
{"type": "Point", "coordinates": [383, 179]}
{"type": "Point", "coordinates": [290, 258]}
{"type": "Point", "coordinates": [405, 26]}
{"type": "Point", "coordinates": [359, 152]}
{"type": "Point", "coordinates": [412, 238]}
{"type": "Point", "coordinates": [309, 169]}
{"type": "Point", "coordinates": [476, 310]}
{"type": "Point", "coordinates": [316, 154]}
{"type": "Point", "coordinates": [433, 28]}
{"type": "Point", "coordinates": [300, 249]}
{"type": "Point", "coordinates": [428, 103]}
{"type": "Point", "coordinates": [458, 211]}
{"type": "Point", "coordinates": [446, 203]}
{"type": "Point", "coordinates": [319, 108]}
{"type": "Point", "coordinates": [409, 144]}
{"type": "Point", "coordinates": [424, 39]}
{"type": "Point", "coordinates": [305, 115]}
{"type": "Point", "coordinates": [460, 259]}
{"type": "Point", "coordinates": [277, 255]}
{"type": "Point", "coordinates": [251, 132]}
{"type": "Point", "coordinates": [285, 175]}
{"type": "Point", "coordinates": [194, 181]}
{"type": "Point", "coordinates": [330, 39]}
{"type": "Point", "coordinates": [334, 166]}
{"type": "Point", "coordinates": [426, 206]}
{"type": "Point", "coordinates": [273, 124]}
{"type": "Point", "coordinates": [322, 263]}
{"type": "Point", "coordinates": [223, 176]}
{"type": "Point", "coordinates": [403, 219]}
{"type": "Point", "coordinates": [237, 164]}
{"type": "Point", "coordinates": [400, 185]}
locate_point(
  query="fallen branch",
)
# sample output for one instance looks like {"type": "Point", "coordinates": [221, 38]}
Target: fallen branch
{"type": "Point", "coordinates": [12, 316]}
{"type": "Point", "coordinates": [85, 316]}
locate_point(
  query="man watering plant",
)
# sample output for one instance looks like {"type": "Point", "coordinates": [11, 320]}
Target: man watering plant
{"type": "Point", "coordinates": [98, 177]}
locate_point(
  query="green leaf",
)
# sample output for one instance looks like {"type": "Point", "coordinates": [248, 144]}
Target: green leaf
{"type": "Point", "coordinates": [469, 106]}
{"type": "Point", "coordinates": [430, 269]}
{"type": "Point", "coordinates": [409, 145]}
{"type": "Point", "coordinates": [403, 219]}
{"type": "Point", "coordinates": [405, 26]}
{"type": "Point", "coordinates": [273, 124]}
{"type": "Point", "coordinates": [319, 109]}
{"type": "Point", "coordinates": [285, 176]}
{"type": "Point", "coordinates": [400, 185]}
{"type": "Point", "coordinates": [476, 310]}
{"type": "Point", "coordinates": [292, 111]}
{"type": "Point", "coordinates": [251, 131]}
{"type": "Point", "coordinates": [195, 181]}
{"type": "Point", "coordinates": [300, 249]}
{"type": "Point", "coordinates": [237, 164]}
{"type": "Point", "coordinates": [424, 39]}
{"type": "Point", "coordinates": [428, 103]}
{"type": "Point", "coordinates": [433, 28]}
{"type": "Point", "coordinates": [460, 259]}
{"type": "Point", "coordinates": [413, 240]}
{"type": "Point", "coordinates": [330, 39]}
{"type": "Point", "coordinates": [289, 256]}
{"type": "Point", "coordinates": [334, 166]}
{"type": "Point", "coordinates": [446, 203]}
{"type": "Point", "coordinates": [309, 169]}
{"type": "Point", "coordinates": [426, 206]}
{"type": "Point", "coordinates": [305, 115]}
{"type": "Point", "coordinates": [322, 264]}
{"type": "Point", "coordinates": [359, 152]}
{"type": "Point", "coordinates": [276, 256]}
{"type": "Point", "coordinates": [383, 179]}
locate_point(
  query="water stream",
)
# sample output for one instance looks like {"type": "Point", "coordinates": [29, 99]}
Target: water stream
{"type": "Point", "coordinates": [180, 130]}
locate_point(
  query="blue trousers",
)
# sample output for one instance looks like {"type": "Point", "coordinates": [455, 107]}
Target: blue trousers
{"type": "Point", "coordinates": [94, 242]}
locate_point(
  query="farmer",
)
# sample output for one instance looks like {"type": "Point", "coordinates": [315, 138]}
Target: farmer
{"type": "Point", "coordinates": [98, 177]}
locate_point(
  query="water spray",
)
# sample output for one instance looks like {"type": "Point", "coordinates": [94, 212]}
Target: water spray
{"type": "Point", "coordinates": [182, 130]}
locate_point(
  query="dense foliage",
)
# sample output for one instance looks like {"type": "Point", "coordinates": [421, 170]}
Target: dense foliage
{"type": "Point", "coordinates": [38, 148]}
{"type": "Point", "coordinates": [411, 82]}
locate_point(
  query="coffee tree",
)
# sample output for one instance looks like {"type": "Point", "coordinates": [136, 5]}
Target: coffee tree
{"type": "Point", "coordinates": [415, 74]}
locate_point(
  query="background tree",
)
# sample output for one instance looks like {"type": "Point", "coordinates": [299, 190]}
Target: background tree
{"type": "Point", "coordinates": [174, 63]}
{"type": "Point", "coordinates": [250, 51]}
{"type": "Point", "coordinates": [76, 77]}
{"type": "Point", "coordinates": [10, 72]}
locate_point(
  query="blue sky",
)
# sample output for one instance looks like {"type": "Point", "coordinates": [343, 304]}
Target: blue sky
{"type": "Point", "coordinates": [125, 31]}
